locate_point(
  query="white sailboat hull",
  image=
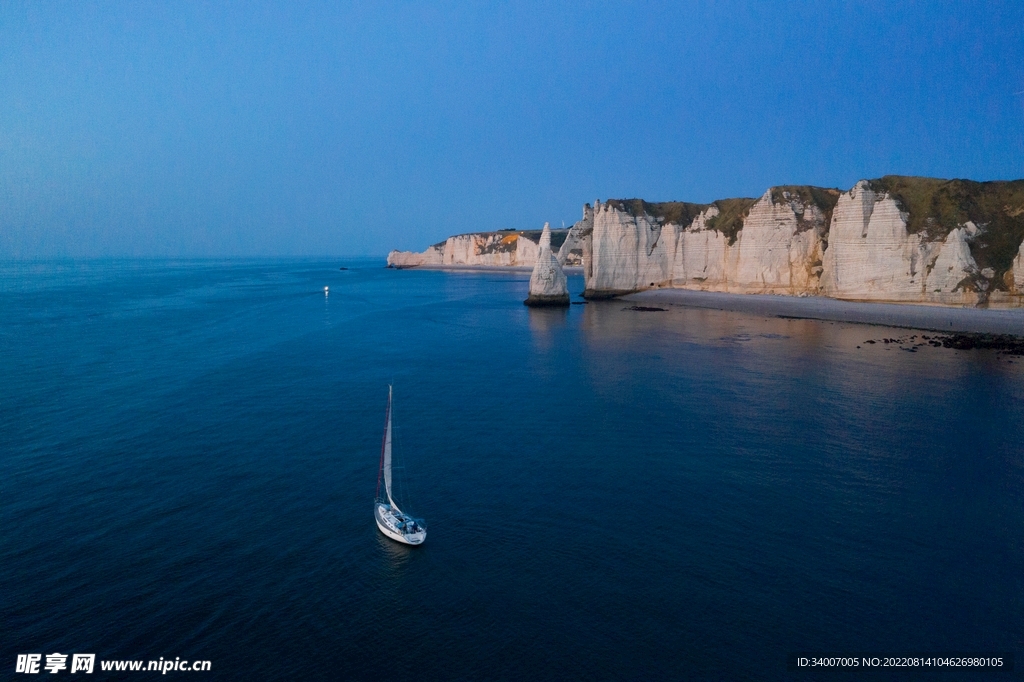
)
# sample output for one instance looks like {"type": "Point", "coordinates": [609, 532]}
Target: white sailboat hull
{"type": "Point", "coordinates": [391, 520]}
{"type": "Point", "coordinates": [388, 523]}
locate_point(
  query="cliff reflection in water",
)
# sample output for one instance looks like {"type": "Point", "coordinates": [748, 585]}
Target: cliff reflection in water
{"type": "Point", "coordinates": [546, 323]}
{"type": "Point", "coordinates": [841, 352]}
{"type": "Point", "coordinates": [801, 384]}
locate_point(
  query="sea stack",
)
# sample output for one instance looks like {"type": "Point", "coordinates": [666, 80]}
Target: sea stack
{"type": "Point", "coordinates": [547, 283]}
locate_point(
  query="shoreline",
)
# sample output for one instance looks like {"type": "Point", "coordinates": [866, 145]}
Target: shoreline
{"type": "Point", "coordinates": [573, 270]}
{"type": "Point", "coordinates": [903, 315]}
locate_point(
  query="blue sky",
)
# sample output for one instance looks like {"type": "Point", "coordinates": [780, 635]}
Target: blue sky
{"type": "Point", "coordinates": [294, 128]}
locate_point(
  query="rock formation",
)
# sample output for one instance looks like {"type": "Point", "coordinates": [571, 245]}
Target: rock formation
{"type": "Point", "coordinates": [895, 238]}
{"type": "Point", "coordinates": [548, 286]}
{"type": "Point", "coordinates": [1017, 271]}
{"type": "Point", "coordinates": [770, 245]}
{"type": "Point", "coordinates": [872, 256]}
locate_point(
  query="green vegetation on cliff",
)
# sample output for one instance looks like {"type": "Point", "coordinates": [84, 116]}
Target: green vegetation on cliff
{"type": "Point", "coordinates": [677, 212]}
{"type": "Point", "coordinates": [731, 214]}
{"type": "Point", "coordinates": [505, 240]}
{"type": "Point", "coordinates": [729, 221]}
{"type": "Point", "coordinates": [557, 236]}
{"type": "Point", "coordinates": [824, 198]}
{"type": "Point", "coordinates": [936, 207]}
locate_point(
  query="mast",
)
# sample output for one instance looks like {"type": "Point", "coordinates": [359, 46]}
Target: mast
{"type": "Point", "coordinates": [385, 447]}
{"type": "Point", "coordinates": [385, 461]}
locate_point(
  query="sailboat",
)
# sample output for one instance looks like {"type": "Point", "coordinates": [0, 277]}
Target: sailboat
{"type": "Point", "coordinates": [391, 520]}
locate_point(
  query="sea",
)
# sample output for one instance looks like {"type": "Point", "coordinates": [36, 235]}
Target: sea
{"type": "Point", "coordinates": [189, 454]}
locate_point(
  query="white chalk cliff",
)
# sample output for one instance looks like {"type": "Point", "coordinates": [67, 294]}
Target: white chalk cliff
{"type": "Point", "coordinates": [872, 257]}
{"type": "Point", "coordinates": [1017, 276]}
{"type": "Point", "coordinates": [897, 239]}
{"type": "Point", "coordinates": [496, 249]}
{"type": "Point", "coordinates": [548, 285]}
{"type": "Point", "coordinates": [778, 250]}
{"type": "Point", "coordinates": [854, 245]}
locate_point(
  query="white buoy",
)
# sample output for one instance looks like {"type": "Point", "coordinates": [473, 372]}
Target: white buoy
{"type": "Point", "coordinates": [325, 291]}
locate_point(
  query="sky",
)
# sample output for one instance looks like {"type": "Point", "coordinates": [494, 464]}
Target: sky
{"type": "Point", "coordinates": [190, 129]}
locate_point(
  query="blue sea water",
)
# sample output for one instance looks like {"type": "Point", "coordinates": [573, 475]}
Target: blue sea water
{"type": "Point", "coordinates": [189, 454]}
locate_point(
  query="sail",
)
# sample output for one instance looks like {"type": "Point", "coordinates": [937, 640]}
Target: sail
{"type": "Point", "coordinates": [387, 452]}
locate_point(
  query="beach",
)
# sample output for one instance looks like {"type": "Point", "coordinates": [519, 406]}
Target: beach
{"type": "Point", "coordinates": [924, 317]}
{"type": "Point", "coordinates": [903, 315]}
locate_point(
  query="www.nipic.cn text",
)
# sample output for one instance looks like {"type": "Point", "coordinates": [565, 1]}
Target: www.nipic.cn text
{"type": "Point", "coordinates": [86, 663]}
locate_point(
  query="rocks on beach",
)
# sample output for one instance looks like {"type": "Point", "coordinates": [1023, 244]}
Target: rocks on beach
{"type": "Point", "coordinates": [1006, 344]}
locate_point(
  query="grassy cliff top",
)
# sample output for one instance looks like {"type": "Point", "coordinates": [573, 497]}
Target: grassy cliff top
{"type": "Point", "coordinates": [731, 214]}
{"type": "Point", "coordinates": [557, 237]}
{"type": "Point", "coordinates": [936, 207]}
{"type": "Point", "coordinates": [678, 212]}
{"type": "Point", "coordinates": [824, 198]}
{"type": "Point", "coordinates": [729, 221]}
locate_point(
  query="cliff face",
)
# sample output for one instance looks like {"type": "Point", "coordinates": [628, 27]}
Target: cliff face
{"type": "Point", "coordinates": [434, 255]}
{"type": "Point", "coordinates": [1016, 277]}
{"type": "Point", "coordinates": [873, 257]}
{"type": "Point", "coordinates": [626, 251]}
{"type": "Point", "coordinates": [770, 245]}
{"type": "Point", "coordinates": [505, 248]}
{"type": "Point", "coordinates": [894, 239]}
